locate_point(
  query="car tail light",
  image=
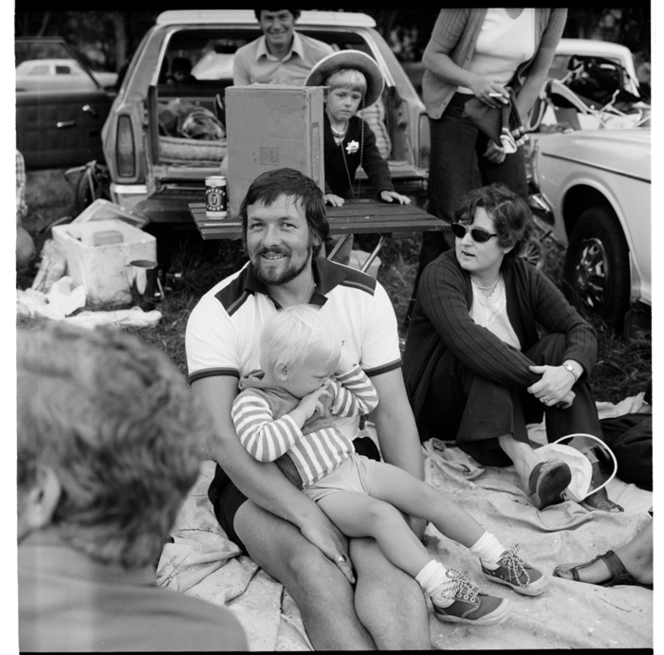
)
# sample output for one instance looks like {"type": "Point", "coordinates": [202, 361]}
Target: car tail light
{"type": "Point", "coordinates": [125, 148]}
{"type": "Point", "coordinates": [424, 133]}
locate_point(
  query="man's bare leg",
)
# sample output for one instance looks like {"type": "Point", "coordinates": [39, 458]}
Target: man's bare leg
{"type": "Point", "coordinates": [323, 595]}
{"type": "Point", "coordinates": [388, 601]}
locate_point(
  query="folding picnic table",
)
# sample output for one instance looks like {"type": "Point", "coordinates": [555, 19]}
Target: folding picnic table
{"type": "Point", "coordinates": [355, 216]}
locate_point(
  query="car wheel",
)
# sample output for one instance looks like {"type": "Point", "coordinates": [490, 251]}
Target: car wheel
{"type": "Point", "coordinates": [597, 272]}
{"type": "Point", "coordinates": [533, 253]}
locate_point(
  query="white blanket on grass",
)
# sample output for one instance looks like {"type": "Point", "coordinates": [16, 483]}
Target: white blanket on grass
{"type": "Point", "coordinates": [203, 562]}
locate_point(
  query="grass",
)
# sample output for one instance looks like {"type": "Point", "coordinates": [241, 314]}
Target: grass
{"type": "Point", "coordinates": [623, 367]}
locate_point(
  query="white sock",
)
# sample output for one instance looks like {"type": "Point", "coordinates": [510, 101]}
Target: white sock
{"type": "Point", "coordinates": [489, 550]}
{"type": "Point", "coordinates": [434, 581]}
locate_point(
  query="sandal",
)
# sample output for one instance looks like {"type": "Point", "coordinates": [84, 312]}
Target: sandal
{"type": "Point", "coordinates": [619, 574]}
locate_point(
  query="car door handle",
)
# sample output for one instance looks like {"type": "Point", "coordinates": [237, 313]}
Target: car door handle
{"type": "Point", "coordinates": [90, 110]}
{"type": "Point", "coordinates": [63, 124]}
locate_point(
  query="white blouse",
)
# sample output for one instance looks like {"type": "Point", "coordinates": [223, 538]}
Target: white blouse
{"type": "Point", "coordinates": [503, 43]}
{"type": "Point", "coordinates": [491, 312]}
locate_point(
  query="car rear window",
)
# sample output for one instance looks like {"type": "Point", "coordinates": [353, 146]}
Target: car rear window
{"type": "Point", "coordinates": [210, 51]}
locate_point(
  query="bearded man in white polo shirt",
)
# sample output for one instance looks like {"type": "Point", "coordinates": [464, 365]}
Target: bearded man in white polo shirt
{"type": "Point", "coordinates": [259, 505]}
{"type": "Point", "coordinates": [281, 55]}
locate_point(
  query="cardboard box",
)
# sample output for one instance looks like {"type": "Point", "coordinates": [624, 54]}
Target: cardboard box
{"type": "Point", "coordinates": [272, 126]}
{"type": "Point", "coordinates": [102, 269]}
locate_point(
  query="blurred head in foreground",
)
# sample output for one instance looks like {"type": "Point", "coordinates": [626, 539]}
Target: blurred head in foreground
{"type": "Point", "coordinates": [109, 439]}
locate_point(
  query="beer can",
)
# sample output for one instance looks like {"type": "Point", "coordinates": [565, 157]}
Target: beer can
{"type": "Point", "coordinates": [216, 203]}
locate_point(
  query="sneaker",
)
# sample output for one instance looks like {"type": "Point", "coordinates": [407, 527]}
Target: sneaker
{"type": "Point", "coordinates": [514, 572]}
{"type": "Point", "coordinates": [471, 605]}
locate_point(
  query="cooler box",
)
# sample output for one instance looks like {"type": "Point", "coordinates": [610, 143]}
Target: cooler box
{"type": "Point", "coordinates": [272, 126]}
{"type": "Point", "coordinates": [98, 253]}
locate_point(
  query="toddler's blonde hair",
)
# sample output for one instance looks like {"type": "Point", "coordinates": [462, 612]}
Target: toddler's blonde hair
{"type": "Point", "coordinates": [295, 334]}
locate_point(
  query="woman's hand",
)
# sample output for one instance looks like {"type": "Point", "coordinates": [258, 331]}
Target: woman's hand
{"type": "Point", "coordinates": [495, 153]}
{"type": "Point", "coordinates": [389, 196]}
{"type": "Point", "coordinates": [554, 385]}
{"type": "Point", "coordinates": [333, 199]}
{"type": "Point", "coordinates": [490, 93]}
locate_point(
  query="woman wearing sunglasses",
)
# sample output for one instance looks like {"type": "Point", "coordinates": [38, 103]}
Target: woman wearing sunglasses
{"type": "Point", "coordinates": [476, 365]}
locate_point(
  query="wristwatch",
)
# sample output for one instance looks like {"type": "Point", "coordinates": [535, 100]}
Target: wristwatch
{"type": "Point", "coordinates": [570, 368]}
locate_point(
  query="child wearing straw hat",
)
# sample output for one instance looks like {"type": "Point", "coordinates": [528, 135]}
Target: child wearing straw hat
{"type": "Point", "coordinates": [354, 82]}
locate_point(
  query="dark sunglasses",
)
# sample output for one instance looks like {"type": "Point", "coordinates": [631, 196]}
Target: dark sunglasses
{"type": "Point", "coordinates": [477, 233]}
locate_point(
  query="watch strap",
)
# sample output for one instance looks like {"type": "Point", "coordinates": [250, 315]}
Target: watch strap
{"type": "Point", "coordinates": [572, 370]}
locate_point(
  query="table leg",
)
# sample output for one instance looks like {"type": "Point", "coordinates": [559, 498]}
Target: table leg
{"type": "Point", "coordinates": [374, 254]}
{"type": "Point", "coordinates": [337, 247]}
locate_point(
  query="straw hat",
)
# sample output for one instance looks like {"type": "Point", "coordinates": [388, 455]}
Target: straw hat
{"type": "Point", "coordinates": [350, 59]}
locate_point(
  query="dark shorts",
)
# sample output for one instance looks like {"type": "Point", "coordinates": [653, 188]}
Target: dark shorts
{"type": "Point", "coordinates": [226, 498]}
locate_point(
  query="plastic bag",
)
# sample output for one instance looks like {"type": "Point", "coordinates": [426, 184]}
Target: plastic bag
{"type": "Point", "coordinates": [52, 267]}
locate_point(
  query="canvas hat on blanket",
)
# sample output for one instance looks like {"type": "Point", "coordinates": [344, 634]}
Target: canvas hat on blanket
{"type": "Point", "coordinates": [591, 461]}
{"type": "Point", "coordinates": [350, 59]}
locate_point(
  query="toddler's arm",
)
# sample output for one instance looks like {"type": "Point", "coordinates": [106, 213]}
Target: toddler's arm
{"type": "Point", "coordinates": [265, 437]}
{"type": "Point", "coordinates": [354, 392]}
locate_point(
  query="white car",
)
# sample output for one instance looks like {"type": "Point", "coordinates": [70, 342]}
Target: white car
{"type": "Point", "coordinates": [592, 183]}
{"type": "Point", "coordinates": [159, 175]}
{"type": "Point", "coordinates": [596, 185]}
{"type": "Point", "coordinates": [613, 52]}
{"type": "Point", "coordinates": [59, 75]}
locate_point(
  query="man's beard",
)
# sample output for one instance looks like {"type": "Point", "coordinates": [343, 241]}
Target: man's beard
{"type": "Point", "coordinates": [274, 278]}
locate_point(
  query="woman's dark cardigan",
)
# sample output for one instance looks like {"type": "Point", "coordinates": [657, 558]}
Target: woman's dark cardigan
{"type": "Point", "coordinates": [441, 321]}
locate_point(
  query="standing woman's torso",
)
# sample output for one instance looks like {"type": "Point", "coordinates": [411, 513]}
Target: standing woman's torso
{"type": "Point", "coordinates": [506, 40]}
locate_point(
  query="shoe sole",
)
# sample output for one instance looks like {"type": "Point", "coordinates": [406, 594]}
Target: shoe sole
{"type": "Point", "coordinates": [530, 590]}
{"type": "Point", "coordinates": [499, 615]}
{"type": "Point", "coordinates": [550, 486]}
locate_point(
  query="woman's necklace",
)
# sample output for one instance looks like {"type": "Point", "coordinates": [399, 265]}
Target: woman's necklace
{"type": "Point", "coordinates": [491, 286]}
